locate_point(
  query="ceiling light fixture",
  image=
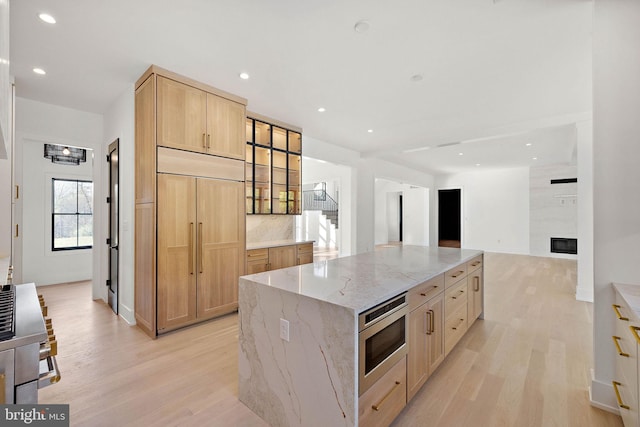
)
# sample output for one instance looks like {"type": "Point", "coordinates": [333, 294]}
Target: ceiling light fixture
{"type": "Point", "coordinates": [528, 144]}
{"type": "Point", "coordinates": [39, 71]}
{"type": "Point", "coordinates": [415, 150]}
{"type": "Point", "coordinates": [45, 17]}
{"type": "Point", "coordinates": [535, 158]}
{"type": "Point", "coordinates": [244, 76]}
{"type": "Point", "coordinates": [460, 154]}
{"type": "Point", "coordinates": [477, 164]}
{"type": "Point", "coordinates": [321, 110]}
{"type": "Point", "coordinates": [361, 26]}
{"type": "Point", "coordinates": [370, 131]}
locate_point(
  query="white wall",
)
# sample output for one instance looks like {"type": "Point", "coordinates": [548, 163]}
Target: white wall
{"type": "Point", "coordinates": [5, 133]}
{"type": "Point", "coordinates": [584, 133]}
{"type": "Point", "coordinates": [40, 264]}
{"type": "Point", "coordinates": [553, 207]}
{"type": "Point", "coordinates": [616, 150]}
{"type": "Point", "coordinates": [119, 122]}
{"type": "Point", "coordinates": [37, 121]}
{"type": "Point", "coordinates": [415, 213]}
{"type": "Point", "coordinates": [495, 206]}
{"type": "Point", "coordinates": [415, 220]}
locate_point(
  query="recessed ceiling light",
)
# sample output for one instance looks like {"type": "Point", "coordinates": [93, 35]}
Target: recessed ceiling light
{"type": "Point", "coordinates": [47, 18]}
{"type": "Point", "coordinates": [535, 158]}
{"type": "Point", "coordinates": [370, 131]}
{"type": "Point", "coordinates": [460, 154]}
{"type": "Point", "coordinates": [477, 164]}
{"type": "Point", "coordinates": [66, 151]}
{"type": "Point", "coordinates": [416, 78]}
{"type": "Point", "coordinates": [528, 144]}
{"type": "Point", "coordinates": [361, 27]}
{"type": "Point", "coordinates": [321, 110]}
{"type": "Point", "coordinates": [244, 76]}
{"type": "Point", "coordinates": [39, 71]}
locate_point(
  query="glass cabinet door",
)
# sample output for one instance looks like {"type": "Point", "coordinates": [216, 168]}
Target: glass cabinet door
{"type": "Point", "coordinates": [262, 180]}
{"type": "Point", "coordinates": [279, 177]}
{"type": "Point", "coordinates": [294, 198]}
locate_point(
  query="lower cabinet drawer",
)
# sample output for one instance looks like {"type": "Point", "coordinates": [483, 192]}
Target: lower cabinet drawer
{"type": "Point", "coordinates": [455, 297]}
{"type": "Point", "coordinates": [382, 403]}
{"type": "Point", "coordinates": [454, 328]}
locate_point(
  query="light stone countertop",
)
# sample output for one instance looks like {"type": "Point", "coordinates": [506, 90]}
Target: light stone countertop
{"type": "Point", "coordinates": [361, 281]}
{"type": "Point", "coordinates": [276, 243]}
{"type": "Point", "coordinates": [631, 295]}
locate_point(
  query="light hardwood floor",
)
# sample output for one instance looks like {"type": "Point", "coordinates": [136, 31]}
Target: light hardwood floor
{"type": "Point", "coordinates": [526, 364]}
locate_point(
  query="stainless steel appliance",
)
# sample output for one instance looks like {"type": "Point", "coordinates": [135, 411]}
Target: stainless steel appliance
{"type": "Point", "coordinates": [27, 354]}
{"type": "Point", "coordinates": [382, 340]}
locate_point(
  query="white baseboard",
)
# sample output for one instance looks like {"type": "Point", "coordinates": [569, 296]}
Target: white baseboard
{"type": "Point", "coordinates": [601, 396]}
{"type": "Point", "coordinates": [127, 314]}
{"type": "Point", "coordinates": [584, 294]}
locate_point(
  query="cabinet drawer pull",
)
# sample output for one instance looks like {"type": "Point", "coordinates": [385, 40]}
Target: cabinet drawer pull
{"type": "Point", "coordinates": [425, 292]}
{"type": "Point", "coordinates": [476, 283]}
{"type": "Point", "coordinates": [634, 331]}
{"type": "Point", "coordinates": [473, 264]}
{"type": "Point", "coordinates": [454, 297]}
{"type": "Point", "coordinates": [616, 308]}
{"type": "Point", "coordinates": [620, 352]}
{"type": "Point", "coordinates": [192, 245]}
{"type": "Point", "coordinates": [458, 273]}
{"type": "Point", "coordinates": [377, 407]}
{"type": "Point", "coordinates": [615, 388]}
{"type": "Point", "coordinates": [455, 328]}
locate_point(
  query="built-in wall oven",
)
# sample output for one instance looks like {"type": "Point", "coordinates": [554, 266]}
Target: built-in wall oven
{"type": "Point", "coordinates": [382, 340]}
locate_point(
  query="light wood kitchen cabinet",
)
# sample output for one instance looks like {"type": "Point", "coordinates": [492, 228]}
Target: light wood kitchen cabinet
{"type": "Point", "coordinates": [282, 257]}
{"type": "Point", "coordinates": [274, 158]}
{"type": "Point", "coordinates": [305, 253]}
{"type": "Point", "coordinates": [190, 204]}
{"type": "Point", "coordinates": [382, 403]}
{"type": "Point", "coordinates": [625, 342]}
{"type": "Point", "coordinates": [257, 260]}
{"type": "Point", "coordinates": [455, 312]}
{"type": "Point", "coordinates": [426, 342]}
{"type": "Point", "coordinates": [199, 260]}
{"type": "Point", "coordinates": [475, 295]}
{"type": "Point", "coordinates": [195, 120]}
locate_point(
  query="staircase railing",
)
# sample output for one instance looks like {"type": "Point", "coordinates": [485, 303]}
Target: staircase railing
{"type": "Point", "coordinates": [319, 200]}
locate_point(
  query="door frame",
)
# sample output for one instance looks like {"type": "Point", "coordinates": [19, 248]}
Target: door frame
{"type": "Point", "coordinates": [113, 297]}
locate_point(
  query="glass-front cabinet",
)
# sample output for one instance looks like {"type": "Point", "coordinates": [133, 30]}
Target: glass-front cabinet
{"type": "Point", "coordinates": [273, 162]}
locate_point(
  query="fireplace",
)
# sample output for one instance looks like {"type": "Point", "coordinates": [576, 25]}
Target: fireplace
{"type": "Point", "coordinates": [561, 245]}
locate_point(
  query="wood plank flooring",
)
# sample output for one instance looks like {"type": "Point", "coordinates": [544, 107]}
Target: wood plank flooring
{"type": "Point", "coordinates": [526, 364]}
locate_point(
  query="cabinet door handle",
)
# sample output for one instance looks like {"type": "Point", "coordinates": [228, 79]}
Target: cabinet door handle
{"type": "Point", "coordinates": [377, 407]}
{"type": "Point", "coordinates": [620, 352]}
{"type": "Point", "coordinates": [615, 388]}
{"type": "Point", "coordinates": [192, 246]}
{"type": "Point", "coordinates": [433, 322]}
{"type": "Point", "coordinates": [208, 141]}
{"type": "Point", "coordinates": [616, 308]}
{"type": "Point", "coordinates": [425, 292]}
{"type": "Point", "coordinates": [204, 140]}
{"type": "Point", "coordinates": [429, 321]}
{"type": "Point", "coordinates": [457, 273]}
{"type": "Point", "coordinates": [634, 331]}
{"type": "Point", "coordinates": [476, 283]}
{"type": "Point", "coordinates": [200, 246]}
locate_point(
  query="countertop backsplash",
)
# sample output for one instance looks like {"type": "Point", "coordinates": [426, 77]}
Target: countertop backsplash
{"type": "Point", "coordinates": [261, 228]}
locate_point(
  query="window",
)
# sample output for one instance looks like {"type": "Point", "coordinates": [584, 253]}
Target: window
{"type": "Point", "coordinates": [72, 214]}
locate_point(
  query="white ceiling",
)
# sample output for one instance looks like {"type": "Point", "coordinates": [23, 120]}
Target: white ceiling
{"type": "Point", "coordinates": [496, 73]}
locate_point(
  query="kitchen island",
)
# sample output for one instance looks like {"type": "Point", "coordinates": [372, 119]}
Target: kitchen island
{"type": "Point", "coordinates": [298, 333]}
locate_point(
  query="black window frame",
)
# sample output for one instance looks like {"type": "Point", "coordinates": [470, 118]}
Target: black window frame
{"type": "Point", "coordinates": [76, 214]}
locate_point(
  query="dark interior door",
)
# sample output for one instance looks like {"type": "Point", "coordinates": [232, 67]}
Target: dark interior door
{"type": "Point", "coordinates": [400, 218]}
{"type": "Point", "coordinates": [114, 208]}
{"type": "Point", "coordinates": [449, 218]}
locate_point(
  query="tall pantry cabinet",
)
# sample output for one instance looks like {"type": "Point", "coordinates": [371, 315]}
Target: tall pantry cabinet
{"type": "Point", "coordinates": [190, 207]}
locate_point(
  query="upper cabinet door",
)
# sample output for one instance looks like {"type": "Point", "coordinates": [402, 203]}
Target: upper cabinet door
{"type": "Point", "coordinates": [226, 127]}
{"type": "Point", "coordinates": [182, 113]}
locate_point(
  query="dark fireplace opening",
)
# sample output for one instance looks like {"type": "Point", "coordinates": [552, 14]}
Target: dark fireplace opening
{"type": "Point", "coordinates": [561, 245]}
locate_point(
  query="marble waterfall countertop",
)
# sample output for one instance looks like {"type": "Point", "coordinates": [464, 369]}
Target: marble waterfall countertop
{"type": "Point", "coordinates": [276, 243]}
{"type": "Point", "coordinates": [361, 281]}
{"type": "Point", "coordinates": [631, 295]}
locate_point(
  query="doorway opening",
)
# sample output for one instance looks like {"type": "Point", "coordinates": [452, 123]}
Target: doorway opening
{"type": "Point", "coordinates": [449, 227]}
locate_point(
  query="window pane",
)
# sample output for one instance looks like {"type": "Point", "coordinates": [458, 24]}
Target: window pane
{"type": "Point", "coordinates": [65, 231]}
{"type": "Point", "coordinates": [65, 196]}
{"type": "Point", "coordinates": [85, 230]}
{"type": "Point", "coordinates": [85, 197]}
